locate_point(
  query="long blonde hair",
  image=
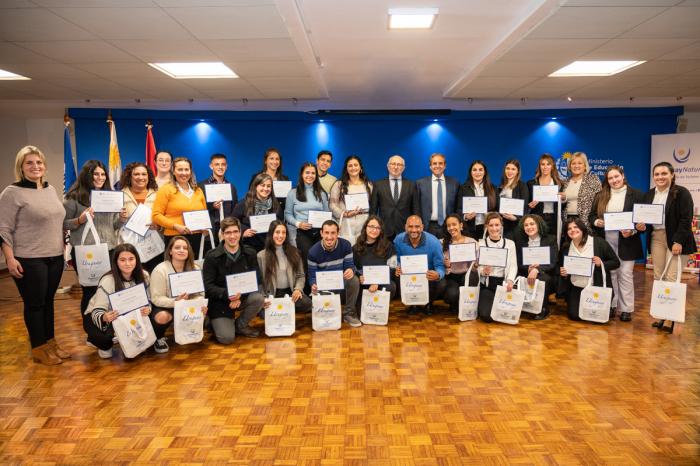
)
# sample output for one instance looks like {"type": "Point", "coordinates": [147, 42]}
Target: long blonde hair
{"type": "Point", "coordinates": [19, 161]}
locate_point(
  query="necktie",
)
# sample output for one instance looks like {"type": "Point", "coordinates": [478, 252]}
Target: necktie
{"type": "Point", "coordinates": [396, 190]}
{"type": "Point", "coordinates": [441, 213]}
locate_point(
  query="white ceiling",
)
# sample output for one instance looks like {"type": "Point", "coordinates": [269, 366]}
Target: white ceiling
{"type": "Point", "coordinates": [311, 54]}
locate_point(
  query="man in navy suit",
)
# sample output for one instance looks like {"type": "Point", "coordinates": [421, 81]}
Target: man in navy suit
{"type": "Point", "coordinates": [394, 198]}
{"type": "Point", "coordinates": [437, 195]}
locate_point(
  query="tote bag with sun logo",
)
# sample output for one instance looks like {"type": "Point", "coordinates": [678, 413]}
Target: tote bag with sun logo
{"type": "Point", "coordinates": [188, 320]}
{"type": "Point", "coordinates": [91, 261]}
{"type": "Point", "coordinates": [326, 313]}
{"type": "Point", "coordinates": [280, 317]}
{"type": "Point", "coordinates": [414, 289]}
{"type": "Point", "coordinates": [375, 307]}
{"type": "Point", "coordinates": [468, 298]}
{"type": "Point", "coordinates": [595, 301]}
{"type": "Point", "coordinates": [135, 333]}
{"type": "Point", "coordinates": [668, 298]}
{"type": "Point", "coordinates": [507, 305]}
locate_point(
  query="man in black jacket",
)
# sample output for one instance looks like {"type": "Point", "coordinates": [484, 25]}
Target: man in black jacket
{"type": "Point", "coordinates": [230, 257]}
{"type": "Point", "coordinates": [394, 198]}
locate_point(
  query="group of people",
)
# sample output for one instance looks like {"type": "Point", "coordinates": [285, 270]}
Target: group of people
{"type": "Point", "coordinates": [368, 223]}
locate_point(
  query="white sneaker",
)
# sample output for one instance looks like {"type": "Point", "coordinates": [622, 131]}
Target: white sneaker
{"type": "Point", "coordinates": [161, 346]}
{"type": "Point", "coordinates": [105, 354]}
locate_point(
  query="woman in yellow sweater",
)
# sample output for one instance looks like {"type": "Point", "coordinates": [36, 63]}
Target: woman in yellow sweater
{"type": "Point", "coordinates": [172, 199]}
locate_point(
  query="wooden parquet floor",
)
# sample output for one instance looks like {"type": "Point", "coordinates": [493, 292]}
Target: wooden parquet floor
{"type": "Point", "coordinates": [422, 391]}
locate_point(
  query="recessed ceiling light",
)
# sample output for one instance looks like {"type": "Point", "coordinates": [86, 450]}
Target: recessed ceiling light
{"type": "Point", "coordinates": [202, 70]}
{"type": "Point", "coordinates": [595, 68]}
{"type": "Point", "coordinates": [7, 76]}
{"type": "Point", "coordinates": [412, 18]}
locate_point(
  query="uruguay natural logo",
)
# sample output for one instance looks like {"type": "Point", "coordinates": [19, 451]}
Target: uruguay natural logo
{"type": "Point", "coordinates": [681, 154]}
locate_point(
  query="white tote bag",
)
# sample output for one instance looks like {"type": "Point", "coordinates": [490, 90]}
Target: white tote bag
{"type": "Point", "coordinates": [595, 301]}
{"type": "Point", "coordinates": [668, 298]}
{"type": "Point", "coordinates": [375, 307]}
{"type": "Point", "coordinates": [188, 320]}
{"type": "Point", "coordinates": [200, 260]}
{"type": "Point", "coordinates": [534, 295]}
{"type": "Point", "coordinates": [91, 261]}
{"type": "Point", "coordinates": [148, 246]}
{"type": "Point", "coordinates": [507, 305]}
{"type": "Point", "coordinates": [135, 333]}
{"type": "Point", "coordinates": [280, 317]}
{"type": "Point", "coordinates": [414, 289]}
{"type": "Point", "coordinates": [326, 312]}
{"type": "Point", "coordinates": [468, 298]}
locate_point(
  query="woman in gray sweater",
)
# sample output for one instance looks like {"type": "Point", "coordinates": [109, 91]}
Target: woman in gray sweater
{"type": "Point", "coordinates": [35, 261]}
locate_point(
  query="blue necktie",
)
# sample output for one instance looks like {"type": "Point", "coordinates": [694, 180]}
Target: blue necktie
{"type": "Point", "coordinates": [441, 213]}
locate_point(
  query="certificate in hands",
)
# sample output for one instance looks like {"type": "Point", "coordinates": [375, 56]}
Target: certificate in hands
{"type": "Point", "coordinates": [618, 221]}
{"type": "Point", "coordinates": [537, 255]}
{"type": "Point", "coordinates": [576, 265]}
{"type": "Point", "coordinates": [261, 223]}
{"type": "Point", "coordinates": [465, 252]}
{"type": "Point", "coordinates": [653, 214]}
{"type": "Point", "coordinates": [140, 220]}
{"type": "Point", "coordinates": [331, 280]}
{"type": "Point", "coordinates": [246, 282]}
{"type": "Point", "coordinates": [544, 193]}
{"type": "Point", "coordinates": [186, 282]}
{"type": "Point", "coordinates": [494, 257]}
{"type": "Point", "coordinates": [106, 201]}
{"type": "Point", "coordinates": [414, 264]}
{"type": "Point", "coordinates": [281, 188]}
{"type": "Point", "coordinates": [317, 217]}
{"type": "Point", "coordinates": [511, 206]}
{"type": "Point", "coordinates": [376, 274]}
{"type": "Point", "coordinates": [474, 204]}
{"type": "Point", "coordinates": [218, 192]}
{"type": "Point", "coordinates": [130, 299]}
{"type": "Point", "coordinates": [357, 201]}
{"type": "Point", "coordinates": [197, 220]}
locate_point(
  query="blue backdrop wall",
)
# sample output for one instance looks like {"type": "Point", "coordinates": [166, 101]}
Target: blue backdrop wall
{"type": "Point", "coordinates": [608, 136]}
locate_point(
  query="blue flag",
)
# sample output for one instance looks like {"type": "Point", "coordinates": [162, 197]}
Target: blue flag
{"type": "Point", "coordinates": [69, 174]}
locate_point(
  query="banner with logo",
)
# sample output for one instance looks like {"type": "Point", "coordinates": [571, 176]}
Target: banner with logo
{"type": "Point", "coordinates": [682, 151]}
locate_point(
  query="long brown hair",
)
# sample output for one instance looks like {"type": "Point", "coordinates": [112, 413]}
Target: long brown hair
{"type": "Point", "coordinates": [504, 178]}
{"type": "Point", "coordinates": [251, 195]}
{"type": "Point", "coordinates": [345, 177]}
{"type": "Point", "coordinates": [554, 173]}
{"type": "Point", "coordinates": [383, 244]}
{"type": "Point", "coordinates": [268, 152]}
{"type": "Point", "coordinates": [270, 254]}
{"type": "Point", "coordinates": [80, 191]}
{"type": "Point", "coordinates": [489, 190]}
{"type": "Point", "coordinates": [126, 176]}
{"type": "Point", "coordinates": [605, 192]}
{"type": "Point", "coordinates": [447, 240]}
{"type": "Point", "coordinates": [189, 262]}
{"type": "Point", "coordinates": [137, 275]}
{"type": "Point", "coordinates": [193, 179]}
{"type": "Point", "coordinates": [673, 189]}
{"type": "Point", "coordinates": [301, 186]}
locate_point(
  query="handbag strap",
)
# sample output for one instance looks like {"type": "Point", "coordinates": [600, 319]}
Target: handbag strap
{"type": "Point", "coordinates": [89, 228]}
{"type": "Point", "coordinates": [602, 269]}
{"type": "Point", "coordinates": [678, 264]}
{"type": "Point", "coordinates": [469, 272]}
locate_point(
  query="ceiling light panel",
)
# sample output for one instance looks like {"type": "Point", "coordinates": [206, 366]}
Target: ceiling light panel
{"type": "Point", "coordinates": [412, 18]}
{"type": "Point", "coordinates": [201, 70]}
{"type": "Point", "coordinates": [595, 68]}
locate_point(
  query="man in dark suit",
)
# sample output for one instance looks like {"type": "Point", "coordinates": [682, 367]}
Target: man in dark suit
{"type": "Point", "coordinates": [394, 198]}
{"type": "Point", "coordinates": [437, 195]}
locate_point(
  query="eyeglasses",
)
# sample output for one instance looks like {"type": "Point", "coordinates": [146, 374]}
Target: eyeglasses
{"type": "Point", "coordinates": [396, 164]}
{"type": "Point", "coordinates": [374, 227]}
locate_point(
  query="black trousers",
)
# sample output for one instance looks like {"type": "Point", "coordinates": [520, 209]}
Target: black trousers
{"type": "Point", "coordinates": [38, 287]}
{"type": "Point", "coordinates": [303, 304]}
{"type": "Point", "coordinates": [551, 221]}
{"type": "Point", "coordinates": [88, 291]}
{"type": "Point", "coordinates": [159, 329]}
{"type": "Point", "coordinates": [435, 229]}
{"type": "Point", "coordinates": [572, 302]}
{"type": "Point", "coordinates": [453, 282]}
{"type": "Point", "coordinates": [102, 339]}
{"type": "Point", "coordinates": [486, 296]}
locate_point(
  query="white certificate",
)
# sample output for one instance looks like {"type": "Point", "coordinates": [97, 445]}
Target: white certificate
{"type": "Point", "coordinates": [465, 252]}
{"type": "Point", "coordinates": [127, 300]}
{"type": "Point", "coordinates": [261, 223]}
{"type": "Point", "coordinates": [542, 193]}
{"type": "Point", "coordinates": [576, 265]}
{"type": "Point", "coordinates": [281, 188]}
{"type": "Point", "coordinates": [414, 264]}
{"type": "Point", "coordinates": [186, 282]}
{"type": "Point", "coordinates": [317, 217]}
{"type": "Point", "coordinates": [494, 257]}
{"type": "Point", "coordinates": [140, 220]}
{"type": "Point", "coordinates": [476, 205]}
{"type": "Point", "coordinates": [218, 192]}
{"type": "Point", "coordinates": [356, 201]}
{"type": "Point", "coordinates": [376, 274]}
{"type": "Point", "coordinates": [539, 256]}
{"type": "Point", "coordinates": [106, 201]}
{"type": "Point", "coordinates": [511, 206]}
{"type": "Point", "coordinates": [331, 280]}
{"type": "Point", "coordinates": [618, 221]}
{"type": "Point", "coordinates": [653, 214]}
{"type": "Point", "coordinates": [197, 220]}
{"type": "Point", "coordinates": [246, 282]}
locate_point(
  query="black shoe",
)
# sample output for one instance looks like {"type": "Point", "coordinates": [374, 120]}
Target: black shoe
{"type": "Point", "coordinates": [542, 315]}
{"type": "Point", "coordinates": [247, 332]}
{"type": "Point", "coordinates": [626, 316]}
{"type": "Point", "coordinates": [612, 312]}
{"type": "Point", "coordinates": [669, 329]}
{"type": "Point", "coordinates": [659, 324]}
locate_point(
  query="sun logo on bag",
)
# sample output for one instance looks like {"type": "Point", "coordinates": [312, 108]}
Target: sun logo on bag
{"type": "Point", "coordinates": [413, 279]}
{"type": "Point", "coordinates": [471, 295]}
{"type": "Point", "coordinates": [133, 322]}
{"type": "Point", "coordinates": [595, 295]}
{"type": "Point", "coordinates": [531, 286]}
{"type": "Point", "coordinates": [376, 299]}
{"type": "Point", "coordinates": [509, 296]}
{"type": "Point", "coordinates": [89, 256]}
{"type": "Point", "coordinates": [667, 291]}
{"type": "Point", "coordinates": [190, 310]}
{"type": "Point", "coordinates": [327, 304]}
{"type": "Point", "coordinates": [279, 307]}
